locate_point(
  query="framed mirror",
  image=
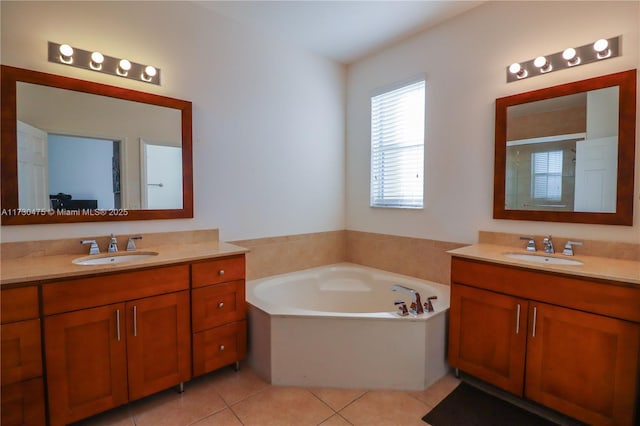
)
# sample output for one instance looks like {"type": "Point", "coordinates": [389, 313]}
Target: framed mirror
{"type": "Point", "coordinates": [567, 153]}
{"type": "Point", "coordinates": [79, 151]}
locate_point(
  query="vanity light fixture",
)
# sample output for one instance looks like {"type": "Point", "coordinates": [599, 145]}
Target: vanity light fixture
{"type": "Point", "coordinates": [570, 57]}
{"type": "Point", "coordinates": [96, 61]}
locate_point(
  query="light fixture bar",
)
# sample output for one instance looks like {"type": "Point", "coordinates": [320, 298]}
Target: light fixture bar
{"type": "Point", "coordinates": [598, 51]}
{"type": "Point", "coordinates": [87, 60]}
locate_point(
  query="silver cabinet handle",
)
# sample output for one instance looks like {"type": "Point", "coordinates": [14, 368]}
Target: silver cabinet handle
{"type": "Point", "coordinates": [135, 321]}
{"type": "Point", "coordinates": [535, 317]}
{"type": "Point", "coordinates": [221, 305]}
{"type": "Point", "coordinates": [221, 347]}
{"type": "Point", "coordinates": [118, 324]}
{"type": "Point", "coordinates": [518, 319]}
{"type": "Point", "coordinates": [221, 272]}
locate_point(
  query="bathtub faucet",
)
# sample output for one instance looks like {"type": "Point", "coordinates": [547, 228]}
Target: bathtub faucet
{"type": "Point", "coordinates": [416, 305]}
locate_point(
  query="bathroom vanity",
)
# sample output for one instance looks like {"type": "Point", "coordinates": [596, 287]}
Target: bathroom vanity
{"type": "Point", "coordinates": [116, 333]}
{"type": "Point", "coordinates": [566, 337]}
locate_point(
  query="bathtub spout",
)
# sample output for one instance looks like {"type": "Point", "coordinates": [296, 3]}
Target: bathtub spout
{"type": "Point", "coordinates": [416, 305]}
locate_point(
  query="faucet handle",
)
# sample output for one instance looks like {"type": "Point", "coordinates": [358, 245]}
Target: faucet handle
{"type": "Point", "coordinates": [94, 249]}
{"type": "Point", "coordinates": [428, 306]}
{"type": "Point", "coordinates": [131, 245]}
{"type": "Point", "coordinates": [568, 248]}
{"type": "Point", "coordinates": [531, 244]}
{"type": "Point", "coordinates": [402, 308]}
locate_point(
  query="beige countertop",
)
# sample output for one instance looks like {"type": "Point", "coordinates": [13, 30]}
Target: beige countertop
{"type": "Point", "coordinates": [623, 271]}
{"type": "Point", "coordinates": [41, 268]}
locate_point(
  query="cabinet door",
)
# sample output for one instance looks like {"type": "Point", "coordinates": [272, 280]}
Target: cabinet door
{"type": "Point", "coordinates": [23, 403]}
{"type": "Point", "coordinates": [158, 343]}
{"type": "Point", "coordinates": [582, 364]}
{"type": "Point", "coordinates": [21, 353]}
{"type": "Point", "coordinates": [86, 362]}
{"type": "Point", "coordinates": [487, 336]}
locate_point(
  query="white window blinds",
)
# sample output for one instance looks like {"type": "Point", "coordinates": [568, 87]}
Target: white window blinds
{"type": "Point", "coordinates": [547, 175]}
{"type": "Point", "coordinates": [397, 147]}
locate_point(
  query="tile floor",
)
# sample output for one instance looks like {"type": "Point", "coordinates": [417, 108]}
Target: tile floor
{"type": "Point", "coordinates": [226, 397]}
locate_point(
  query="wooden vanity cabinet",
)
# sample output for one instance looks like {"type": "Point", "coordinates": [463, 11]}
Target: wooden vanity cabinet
{"type": "Point", "coordinates": [567, 343]}
{"type": "Point", "coordinates": [22, 393]}
{"type": "Point", "coordinates": [115, 338]}
{"type": "Point", "coordinates": [218, 313]}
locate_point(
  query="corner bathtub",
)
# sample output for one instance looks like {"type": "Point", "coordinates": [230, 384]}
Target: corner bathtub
{"type": "Point", "coordinates": [337, 326]}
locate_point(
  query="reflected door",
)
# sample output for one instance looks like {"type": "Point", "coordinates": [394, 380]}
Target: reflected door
{"type": "Point", "coordinates": [596, 175]}
{"type": "Point", "coordinates": [161, 176]}
{"type": "Point", "coordinates": [33, 190]}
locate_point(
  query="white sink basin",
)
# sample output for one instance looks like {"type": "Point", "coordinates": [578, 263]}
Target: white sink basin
{"type": "Point", "coordinates": [543, 259]}
{"type": "Point", "coordinates": [114, 258]}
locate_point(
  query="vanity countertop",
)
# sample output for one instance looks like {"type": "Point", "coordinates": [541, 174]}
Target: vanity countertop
{"type": "Point", "coordinates": [25, 270]}
{"type": "Point", "coordinates": [622, 271]}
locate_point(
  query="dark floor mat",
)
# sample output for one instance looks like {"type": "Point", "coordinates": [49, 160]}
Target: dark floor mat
{"type": "Point", "coordinates": [469, 406]}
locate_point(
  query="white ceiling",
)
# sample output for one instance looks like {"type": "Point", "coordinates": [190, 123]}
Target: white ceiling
{"type": "Point", "coordinates": [344, 31]}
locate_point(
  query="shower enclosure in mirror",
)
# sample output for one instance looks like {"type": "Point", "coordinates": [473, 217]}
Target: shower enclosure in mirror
{"type": "Point", "coordinates": [77, 151]}
{"type": "Point", "coordinates": [566, 153]}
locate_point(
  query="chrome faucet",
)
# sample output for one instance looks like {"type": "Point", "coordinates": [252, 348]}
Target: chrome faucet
{"type": "Point", "coordinates": [416, 305]}
{"type": "Point", "coordinates": [113, 245]}
{"type": "Point", "coordinates": [548, 245]}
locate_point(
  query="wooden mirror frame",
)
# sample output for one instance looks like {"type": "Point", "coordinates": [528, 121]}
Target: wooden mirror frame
{"type": "Point", "coordinates": [623, 215]}
{"type": "Point", "coordinates": [9, 162]}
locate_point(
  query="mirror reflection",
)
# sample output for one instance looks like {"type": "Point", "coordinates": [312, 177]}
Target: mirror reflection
{"type": "Point", "coordinates": [562, 153]}
{"type": "Point", "coordinates": [78, 150]}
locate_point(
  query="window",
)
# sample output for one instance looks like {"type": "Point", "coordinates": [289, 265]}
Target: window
{"type": "Point", "coordinates": [546, 169]}
{"type": "Point", "coordinates": [397, 147]}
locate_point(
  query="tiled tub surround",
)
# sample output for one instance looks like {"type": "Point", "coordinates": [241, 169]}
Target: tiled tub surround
{"type": "Point", "coordinates": [337, 326]}
{"type": "Point", "coordinates": [417, 257]}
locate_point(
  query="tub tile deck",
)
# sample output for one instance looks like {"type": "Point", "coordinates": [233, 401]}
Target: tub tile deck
{"type": "Point", "coordinates": [226, 397]}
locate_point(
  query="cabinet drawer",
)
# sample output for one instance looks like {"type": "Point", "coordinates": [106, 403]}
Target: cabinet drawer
{"type": "Point", "coordinates": [218, 304]}
{"type": "Point", "coordinates": [19, 304]}
{"type": "Point", "coordinates": [21, 354]}
{"type": "Point", "coordinates": [83, 293]}
{"type": "Point", "coordinates": [23, 404]}
{"type": "Point", "coordinates": [219, 346]}
{"type": "Point", "coordinates": [600, 297]}
{"type": "Point", "coordinates": [217, 271]}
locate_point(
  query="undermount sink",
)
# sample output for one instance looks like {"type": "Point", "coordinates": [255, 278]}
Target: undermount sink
{"type": "Point", "coordinates": [543, 259]}
{"type": "Point", "coordinates": [114, 258]}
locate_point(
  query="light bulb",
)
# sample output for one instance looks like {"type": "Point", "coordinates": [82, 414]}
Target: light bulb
{"type": "Point", "coordinates": [600, 45]}
{"type": "Point", "coordinates": [123, 67]}
{"type": "Point", "coordinates": [542, 63]}
{"type": "Point", "coordinates": [96, 60]}
{"type": "Point", "coordinates": [66, 53]}
{"type": "Point", "coordinates": [570, 55]}
{"type": "Point", "coordinates": [602, 49]}
{"type": "Point", "coordinates": [149, 73]}
{"type": "Point", "coordinates": [517, 69]}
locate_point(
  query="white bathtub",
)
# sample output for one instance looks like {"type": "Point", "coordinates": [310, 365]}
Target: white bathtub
{"type": "Point", "coordinates": [337, 326]}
